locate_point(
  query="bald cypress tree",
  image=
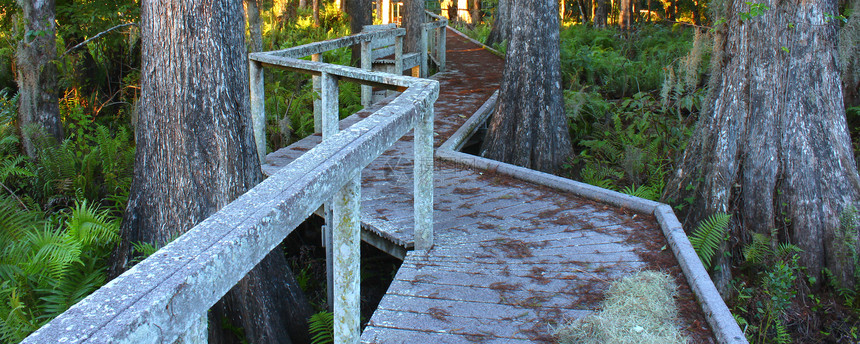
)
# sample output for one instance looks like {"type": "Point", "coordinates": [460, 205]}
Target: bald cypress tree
{"type": "Point", "coordinates": [195, 154]}
{"type": "Point", "coordinates": [529, 127]}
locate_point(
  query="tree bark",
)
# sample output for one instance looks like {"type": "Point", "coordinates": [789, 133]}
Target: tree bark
{"type": "Point", "coordinates": [625, 15]}
{"type": "Point", "coordinates": [316, 13]}
{"type": "Point", "coordinates": [253, 15]}
{"type": "Point", "coordinates": [195, 153]}
{"type": "Point", "coordinates": [774, 149]}
{"type": "Point", "coordinates": [413, 18]}
{"type": "Point", "coordinates": [475, 11]}
{"type": "Point", "coordinates": [529, 127]}
{"type": "Point", "coordinates": [38, 102]}
{"type": "Point", "coordinates": [360, 14]}
{"type": "Point", "coordinates": [501, 30]}
{"type": "Point", "coordinates": [601, 13]}
{"type": "Point", "coordinates": [849, 56]}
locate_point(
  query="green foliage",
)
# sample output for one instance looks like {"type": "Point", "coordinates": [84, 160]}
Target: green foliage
{"type": "Point", "coordinates": [321, 327]}
{"type": "Point", "coordinates": [756, 10]}
{"type": "Point", "coordinates": [290, 95]}
{"type": "Point", "coordinates": [706, 239]}
{"type": "Point", "coordinates": [47, 265]}
{"type": "Point", "coordinates": [618, 66]}
{"type": "Point", "coordinates": [764, 303]}
{"type": "Point", "coordinates": [848, 255]}
{"type": "Point", "coordinates": [624, 145]}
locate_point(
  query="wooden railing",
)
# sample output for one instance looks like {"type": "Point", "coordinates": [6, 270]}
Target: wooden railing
{"type": "Point", "coordinates": [165, 298]}
{"type": "Point", "coordinates": [433, 37]}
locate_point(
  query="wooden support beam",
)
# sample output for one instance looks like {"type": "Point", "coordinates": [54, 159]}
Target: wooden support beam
{"type": "Point", "coordinates": [366, 64]}
{"type": "Point", "coordinates": [258, 108]}
{"type": "Point", "coordinates": [330, 118]}
{"type": "Point", "coordinates": [443, 35]}
{"type": "Point", "coordinates": [317, 104]}
{"type": "Point", "coordinates": [347, 261]}
{"type": "Point", "coordinates": [422, 44]}
{"type": "Point", "coordinates": [423, 150]}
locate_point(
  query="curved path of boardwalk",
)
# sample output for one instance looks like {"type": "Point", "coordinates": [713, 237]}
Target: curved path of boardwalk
{"type": "Point", "coordinates": [511, 257]}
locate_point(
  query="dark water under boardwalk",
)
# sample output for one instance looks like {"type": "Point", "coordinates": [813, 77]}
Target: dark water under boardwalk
{"type": "Point", "coordinates": [511, 257]}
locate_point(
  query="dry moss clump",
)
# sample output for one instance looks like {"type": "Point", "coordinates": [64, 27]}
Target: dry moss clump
{"type": "Point", "coordinates": [638, 309]}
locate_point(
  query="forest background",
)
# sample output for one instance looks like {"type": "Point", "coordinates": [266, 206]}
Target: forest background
{"type": "Point", "coordinates": [633, 92]}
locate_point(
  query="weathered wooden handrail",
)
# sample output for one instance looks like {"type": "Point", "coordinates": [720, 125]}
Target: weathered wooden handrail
{"type": "Point", "coordinates": [164, 298]}
{"type": "Point", "coordinates": [434, 42]}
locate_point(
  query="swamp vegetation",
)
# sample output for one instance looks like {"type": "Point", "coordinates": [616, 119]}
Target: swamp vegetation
{"type": "Point", "coordinates": [632, 99]}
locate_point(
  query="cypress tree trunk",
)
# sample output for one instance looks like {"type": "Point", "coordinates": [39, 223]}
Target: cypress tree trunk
{"type": "Point", "coordinates": [195, 153]}
{"type": "Point", "coordinates": [849, 56]}
{"type": "Point", "coordinates": [774, 149]}
{"type": "Point", "coordinates": [501, 30]}
{"type": "Point", "coordinates": [38, 104]}
{"type": "Point", "coordinates": [253, 15]}
{"type": "Point", "coordinates": [529, 127]}
{"type": "Point", "coordinates": [413, 17]}
{"type": "Point", "coordinates": [601, 13]}
{"type": "Point", "coordinates": [360, 14]}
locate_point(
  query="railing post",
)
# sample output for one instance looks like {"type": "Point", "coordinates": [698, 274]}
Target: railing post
{"type": "Point", "coordinates": [347, 261]}
{"type": "Point", "coordinates": [258, 108]}
{"type": "Point", "coordinates": [398, 55]}
{"type": "Point", "coordinates": [366, 64]}
{"type": "Point", "coordinates": [330, 119]}
{"type": "Point", "coordinates": [198, 333]}
{"type": "Point", "coordinates": [423, 151]}
{"type": "Point", "coordinates": [443, 35]}
{"type": "Point", "coordinates": [422, 45]}
{"type": "Point", "coordinates": [317, 101]}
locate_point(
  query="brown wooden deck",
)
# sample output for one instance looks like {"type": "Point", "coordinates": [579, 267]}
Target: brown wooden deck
{"type": "Point", "coordinates": [510, 258]}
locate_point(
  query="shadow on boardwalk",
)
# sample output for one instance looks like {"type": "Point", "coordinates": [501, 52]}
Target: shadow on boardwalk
{"type": "Point", "coordinates": [511, 257]}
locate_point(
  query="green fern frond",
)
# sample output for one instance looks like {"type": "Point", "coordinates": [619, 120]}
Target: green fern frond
{"type": "Point", "coordinates": [143, 250]}
{"type": "Point", "coordinates": [642, 191]}
{"type": "Point", "coordinates": [782, 335]}
{"type": "Point", "coordinates": [708, 236]}
{"type": "Point", "coordinates": [52, 253]}
{"type": "Point", "coordinates": [91, 227]}
{"type": "Point", "coordinates": [72, 288]}
{"type": "Point", "coordinates": [13, 167]}
{"type": "Point", "coordinates": [15, 222]}
{"type": "Point", "coordinates": [321, 328]}
{"type": "Point", "coordinates": [15, 320]}
{"type": "Point", "coordinates": [759, 248]}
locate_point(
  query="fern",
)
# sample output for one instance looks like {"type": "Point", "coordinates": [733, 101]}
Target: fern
{"type": "Point", "coordinates": [91, 227]}
{"type": "Point", "coordinates": [642, 191]}
{"type": "Point", "coordinates": [709, 235]}
{"type": "Point", "coordinates": [321, 328]}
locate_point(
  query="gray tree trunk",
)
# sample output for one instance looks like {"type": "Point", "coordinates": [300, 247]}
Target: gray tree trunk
{"type": "Point", "coordinates": [529, 127]}
{"type": "Point", "coordinates": [601, 13]}
{"type": "Point", "coordinates": [195, 153]}
{"type": "Point", "coordinates": [38, 103]}
{"type": "Point", "coordinates": [501, 30]}
{"type": "Point", "coordinates": [849, 56]}
{"type": "Point", "coordinates": [253, 15]}
{"type": "Point", "coordinates": [774, 149]}
{"type": "Point", "coordinates": [413, 18]}
{"type": "Point", "coordinates": [360, 14]}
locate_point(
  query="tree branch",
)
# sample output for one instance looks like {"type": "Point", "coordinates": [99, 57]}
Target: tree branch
{"type": "Point", "coordinates": [95, 37]}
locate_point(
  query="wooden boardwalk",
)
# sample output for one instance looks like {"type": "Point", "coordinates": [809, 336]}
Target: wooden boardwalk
{"type": "Point", "coordinates": [510, 257]}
